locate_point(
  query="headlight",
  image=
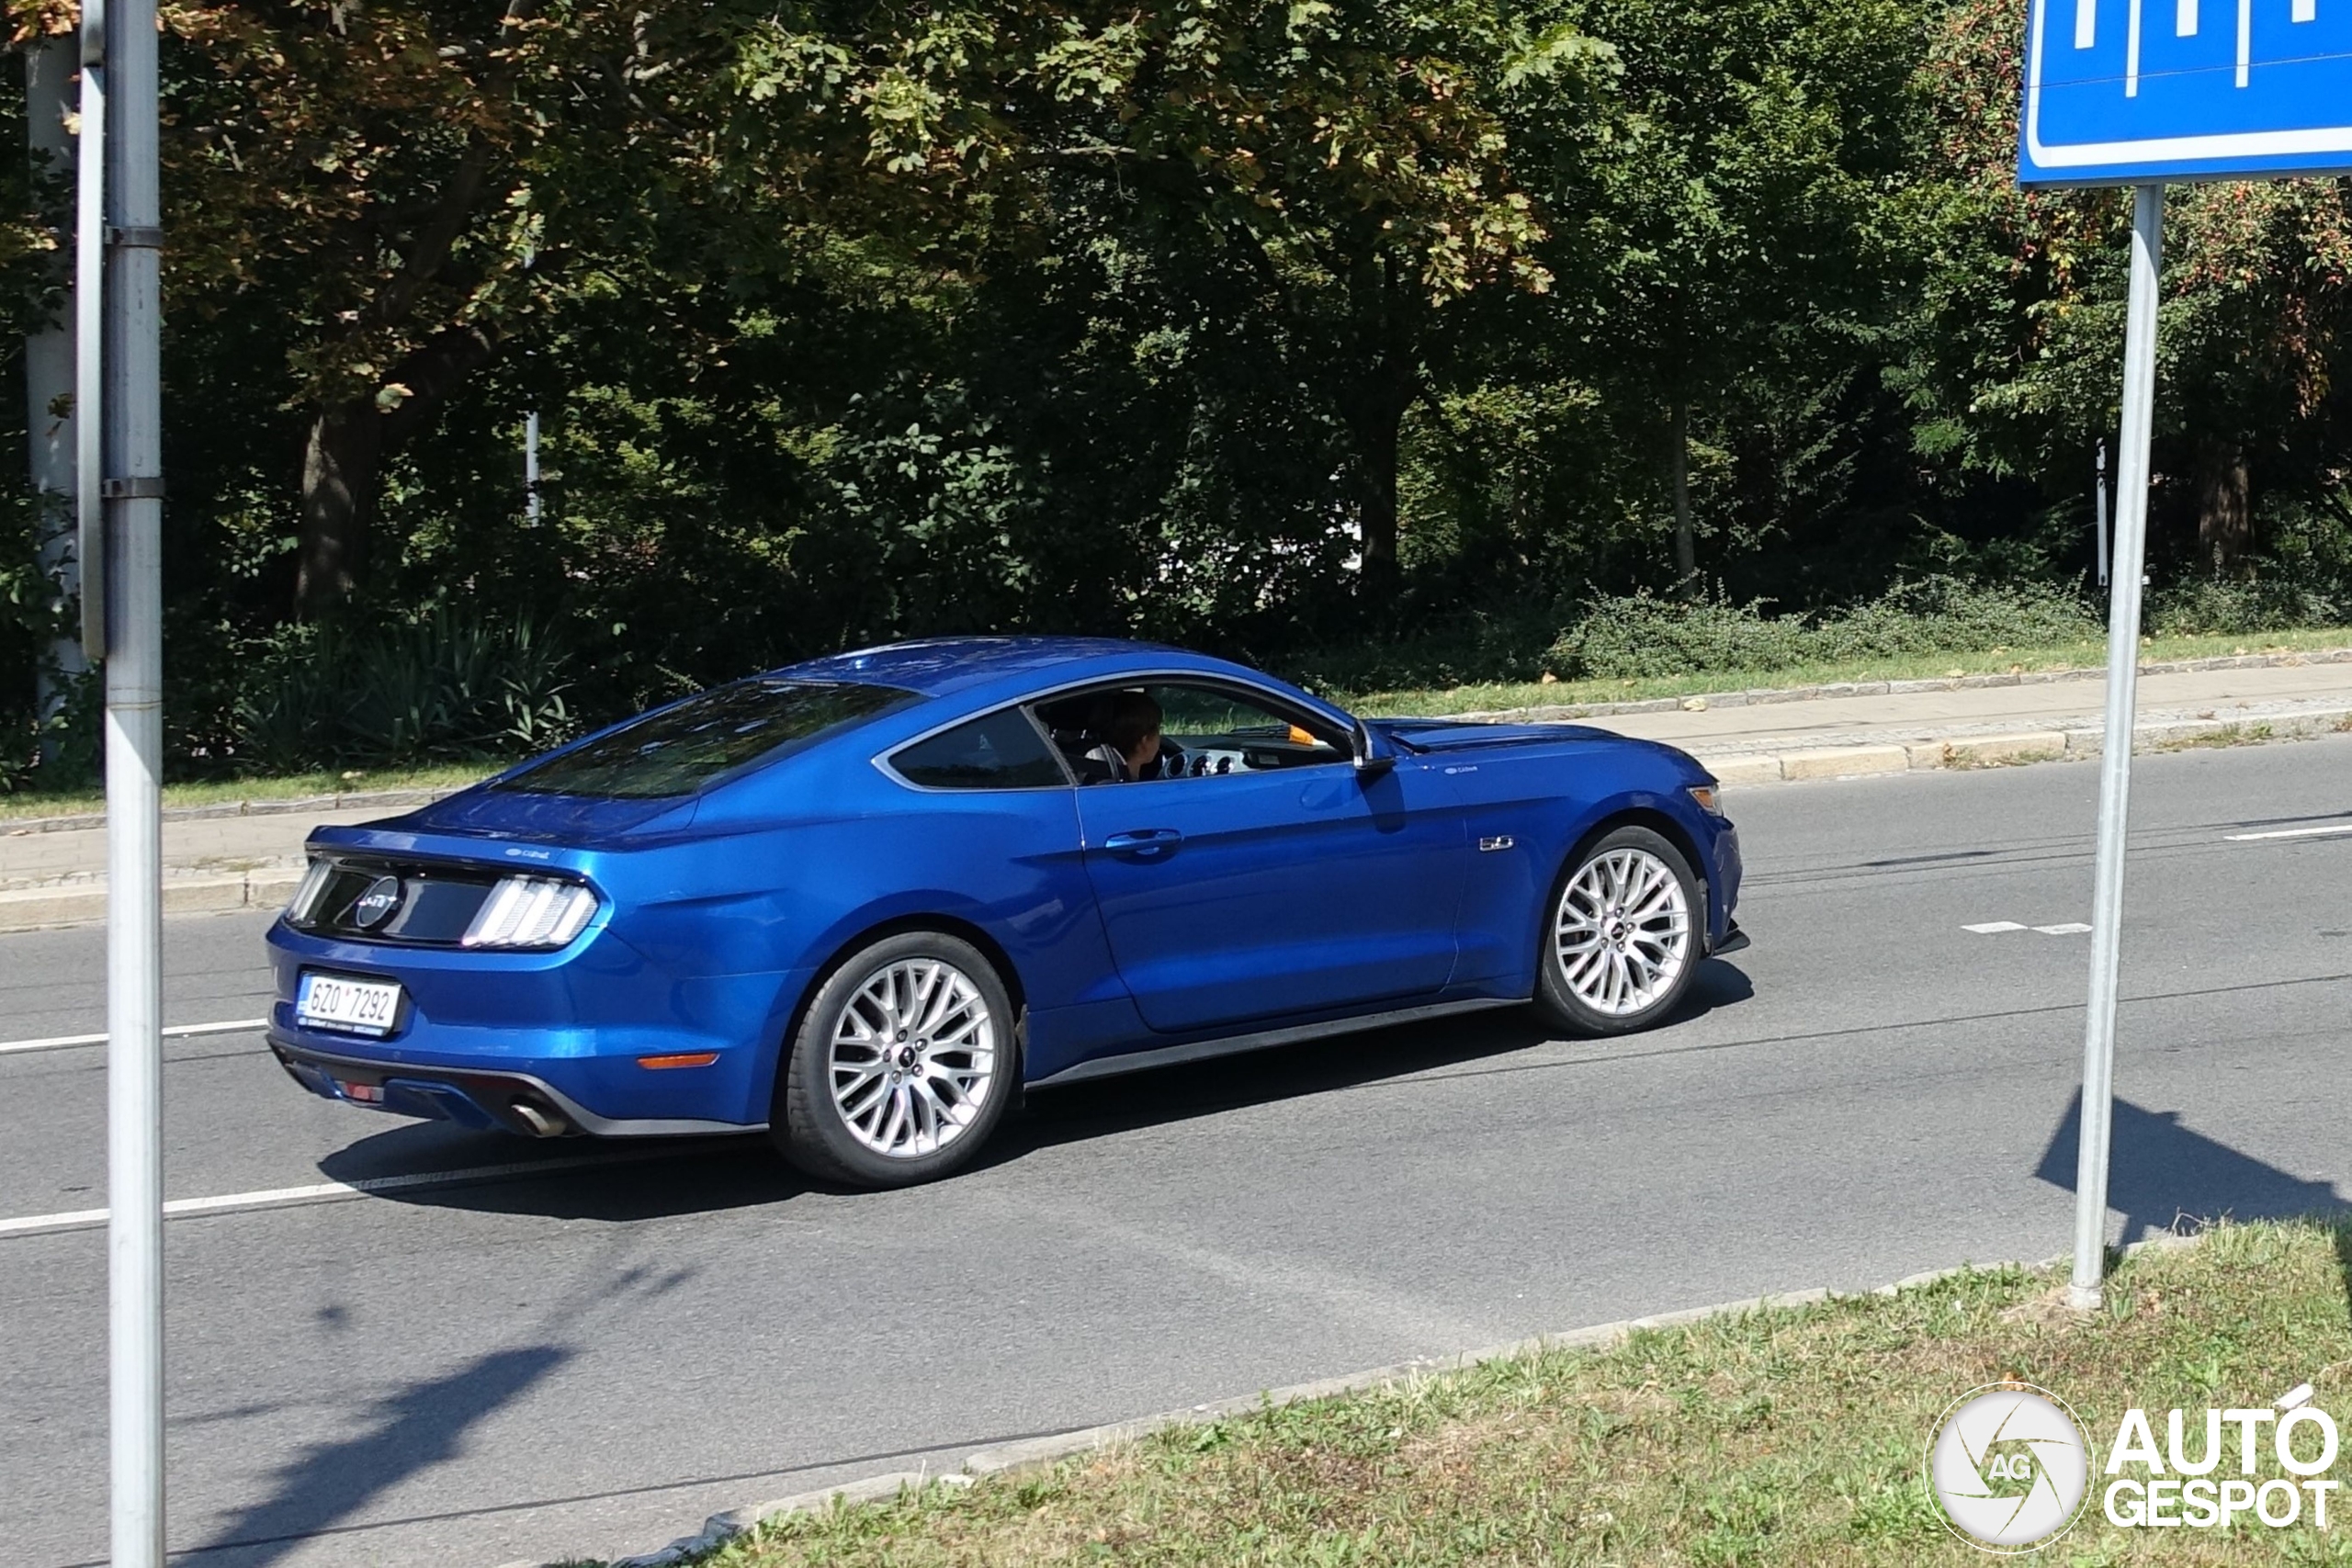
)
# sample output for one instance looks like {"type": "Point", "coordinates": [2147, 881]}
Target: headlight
{"type": "Point", "coordinates": [305, 902]}
{"type": "Point", "coordinates": [1708, 800]}
{"type": "Point", "coordinates": [531, 911]}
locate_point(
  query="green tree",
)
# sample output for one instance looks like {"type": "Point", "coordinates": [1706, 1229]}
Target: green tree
{"type": "Point", "coordinates": [1733, 216]}
{"type": "Point", "coordinates": [2013, 363]}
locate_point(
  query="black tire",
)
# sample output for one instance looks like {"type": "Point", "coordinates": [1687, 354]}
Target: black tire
{"type": "Point", "coordinates": [1557, 998]}
{"type": "Point", "coordinates": [823, 1138]}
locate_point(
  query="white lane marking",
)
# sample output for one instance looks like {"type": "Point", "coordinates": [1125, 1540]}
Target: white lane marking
{"type": "Point", "coordinates": [1991, 926]}
{"type": "Point", "coordinates": [177, 1031]}
{"type": "Point", "coordinates": [323, 1191]}
{"type": "Point", "coordinates": [2071, 927]}
{"type": "Point", "coordinates": [2289, 833]}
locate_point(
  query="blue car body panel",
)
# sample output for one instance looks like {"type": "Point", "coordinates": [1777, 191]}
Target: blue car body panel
{"type": "Point", "coordinates": [1276, 893]}
{"type": "Point", "coordinates": [1128, 919]}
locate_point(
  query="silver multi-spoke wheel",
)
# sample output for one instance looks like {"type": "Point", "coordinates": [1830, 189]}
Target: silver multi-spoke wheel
{"type": "Point", "coordinates": [913, 1058]}
{"type": "Point", "coordinates": [1621, 934]}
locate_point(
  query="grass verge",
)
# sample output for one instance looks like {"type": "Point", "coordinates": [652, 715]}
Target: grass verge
{"type": "Point", "coordinates": [1788, 1436]}
{"type": "Point", "coordinates": [297, 786]}
{"type": "Point", "coordinates": [1413, 702]}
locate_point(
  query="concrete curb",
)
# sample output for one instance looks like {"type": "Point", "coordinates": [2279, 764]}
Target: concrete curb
{"type": "Point", "coordinates": [1972, 750]}
{"type": "Point", "coordinates": [1762, 695]}
{"type": "Point", "coordinates": [1038, 1453]}
{"type": "Point", "coordinates": [81, 903]}
{"type": "Point", "coordinates": [347, 802]}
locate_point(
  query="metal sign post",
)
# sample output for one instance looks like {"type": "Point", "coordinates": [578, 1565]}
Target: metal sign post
{"type": "Point", "coordinates": [119, 405]}
{"type": "Point", "coordinates": [2115, 758]}
{"type": "Point", "coordinates": [2139, 93]}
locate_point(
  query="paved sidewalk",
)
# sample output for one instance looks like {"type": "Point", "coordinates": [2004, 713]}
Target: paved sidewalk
{"type": "Point", "coordinates": [57, 877]}
{"type": "Point", "coordinates": [1976, 725]}
{"type": "Point", "coordinates": [220, 860]}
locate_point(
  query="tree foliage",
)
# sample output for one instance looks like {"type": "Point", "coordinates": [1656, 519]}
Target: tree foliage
{"type": "Point", "coordinates": [1266, 326]}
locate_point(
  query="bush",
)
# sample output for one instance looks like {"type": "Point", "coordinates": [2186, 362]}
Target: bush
{"type": "Point", "coordinates": [2215, 607]}
{"type": "Point", "coordinates": [1505, 644]}
{"type": "Point", "coordinates": [1630, 636]}
{"type": "Point", "coordinates": [449, 686]}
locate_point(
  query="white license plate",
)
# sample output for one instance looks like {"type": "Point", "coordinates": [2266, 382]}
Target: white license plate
{"type": "Point", "coordinates": [331, 1002]}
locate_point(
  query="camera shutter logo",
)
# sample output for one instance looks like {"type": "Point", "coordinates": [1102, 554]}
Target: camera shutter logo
{"type": "Point", "coordinates": [2011, 1467]}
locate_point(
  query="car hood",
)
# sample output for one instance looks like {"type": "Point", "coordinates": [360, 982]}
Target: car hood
{"type": "Point", "coordinates": [1463, 735]}
{"type": "Point", "coordinates": [1449, 735]}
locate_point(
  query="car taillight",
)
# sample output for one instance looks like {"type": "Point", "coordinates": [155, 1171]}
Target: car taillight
{"type": "Point", "coordinates": [304, 905]}
{"type": "Point", "coordinates": [531, 911]}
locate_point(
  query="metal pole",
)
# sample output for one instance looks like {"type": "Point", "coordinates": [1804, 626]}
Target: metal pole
{"type": "Point", "coordinates": [134, 516]}
{"type": "Point", "coordinates": [531, 465]}
{"type": "Point", "coordinates": [2115, 760]}
{"type": "Point", "coordinates": [2099, 512]}
{"type": "Point", "coordinates": [50, 64]}
{"type": "Point", "coordinates": [89, 337]}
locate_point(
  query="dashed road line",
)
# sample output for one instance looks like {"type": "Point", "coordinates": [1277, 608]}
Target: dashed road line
{"type": "Point", "coordinates": [2071, 927]}
{"type": "Point", "coordinates": [338, 1191]}
{"type": "Point", "coordinates": [1998, 928]}
{"type": "Point", "coordinates": [1991, 926]}
{"type": "Point", "coordinates": [2290, 833]}
{"type": "Point", "coordinates": [177, 1031]}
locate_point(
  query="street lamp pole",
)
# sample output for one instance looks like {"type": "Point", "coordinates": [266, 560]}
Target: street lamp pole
{"type": "Point", "coordinates": [119, 408]}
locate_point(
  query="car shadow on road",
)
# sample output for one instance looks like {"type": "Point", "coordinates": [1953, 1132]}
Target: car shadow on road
{"type": "Point", "coordinates": [1105, 1107]}
{"type": "Point", "coordinates": [631, 1179]}
{"type": "Point", "coordinates": [2163, 1176]}
{"type": "Point", "coordinates": [656, 1178]}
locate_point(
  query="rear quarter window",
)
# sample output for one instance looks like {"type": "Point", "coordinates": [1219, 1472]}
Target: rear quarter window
{"type": "Point", "coordinates": [1002, 751]}
{"type": "Point", "coordinates": [678, 749]}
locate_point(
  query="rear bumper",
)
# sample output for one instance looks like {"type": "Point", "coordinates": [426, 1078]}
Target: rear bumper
{"type": "Point", "coordinates": [508, 1102]}
{"type": "Point", "coordinates": [505, 1039]}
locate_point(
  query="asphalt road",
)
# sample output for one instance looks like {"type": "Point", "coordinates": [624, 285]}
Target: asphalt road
{"type": "Point", "coordinates": [589, 1360]}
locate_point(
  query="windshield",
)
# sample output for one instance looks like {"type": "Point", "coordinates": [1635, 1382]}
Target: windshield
{"type": "Point", "coordinates": [678, 749]}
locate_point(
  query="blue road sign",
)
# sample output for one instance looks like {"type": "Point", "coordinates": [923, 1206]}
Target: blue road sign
{"type": "Point", "coordinates": [2118, 92]}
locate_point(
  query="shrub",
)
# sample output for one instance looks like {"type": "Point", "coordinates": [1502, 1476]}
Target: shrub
{"type": "Point", "coordinates": [1629, 635]}
{"type": "Point", "coordinates": [446, 687]}
{"type": "Point", "coordinates": [2207, 606]}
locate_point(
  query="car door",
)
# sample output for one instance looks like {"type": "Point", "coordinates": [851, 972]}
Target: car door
{"type": "Point", "coordinates": [1269, 878]}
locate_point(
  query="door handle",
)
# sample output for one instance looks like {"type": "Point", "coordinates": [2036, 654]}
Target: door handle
{"type": "Point", "coordinates": [1143, 843]}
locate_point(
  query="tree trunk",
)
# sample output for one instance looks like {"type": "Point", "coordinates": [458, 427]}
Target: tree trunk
{"type": "Point", "coordinates": [339, 464]}
{"type": "Point", "coordinates": [2224, 504]}
{"type": "Point", "coordinates": [345, 457]}
{"type": "Point", "coordinates": [1377, 439]}
{"type": "Point", "coordinates": [1686, 547]}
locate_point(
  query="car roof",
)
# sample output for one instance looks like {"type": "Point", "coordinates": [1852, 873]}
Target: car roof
{"type": "Point", "coordinates": [937, 667]}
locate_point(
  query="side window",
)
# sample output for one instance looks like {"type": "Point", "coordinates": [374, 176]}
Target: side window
{"type": "Point", "coordinates": [1002, 751]}
{"type": "Point", "coordinates": [1169, 731]}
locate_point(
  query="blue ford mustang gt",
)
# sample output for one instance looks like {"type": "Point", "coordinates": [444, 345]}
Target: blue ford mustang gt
{"type": "Point", "coordinates": [863, 901]}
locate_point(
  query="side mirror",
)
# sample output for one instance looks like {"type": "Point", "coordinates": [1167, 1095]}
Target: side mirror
{"type": "Point", "coordinates": [1372, 755]}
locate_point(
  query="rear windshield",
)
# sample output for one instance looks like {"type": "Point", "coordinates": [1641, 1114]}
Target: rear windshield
{"type": "Point", "coordinates": [678, 749]}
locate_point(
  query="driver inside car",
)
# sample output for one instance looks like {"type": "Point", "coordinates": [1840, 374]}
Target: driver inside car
{"type": "Point", "coordinates": [1131, 744]}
